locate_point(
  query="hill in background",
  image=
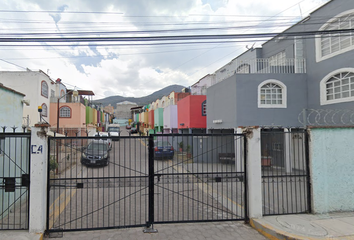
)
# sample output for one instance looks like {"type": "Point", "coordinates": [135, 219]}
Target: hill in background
{"type": "Point", "coordinates": [113, 100]}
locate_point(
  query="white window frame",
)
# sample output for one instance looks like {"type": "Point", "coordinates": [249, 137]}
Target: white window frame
{"type": "Point", "coordinates": [318, 38]}
{"type": "Point", "coordinates": [323, 88]}
{"type": "Point", "coordinates": [284, 94]}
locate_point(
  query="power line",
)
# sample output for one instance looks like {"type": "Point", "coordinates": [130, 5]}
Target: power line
{"type": "Point", "coordinates": [171, 38]}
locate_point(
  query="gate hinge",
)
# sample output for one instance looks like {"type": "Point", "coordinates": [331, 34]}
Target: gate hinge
{"type": "Point", "coordinates": [25, 180]}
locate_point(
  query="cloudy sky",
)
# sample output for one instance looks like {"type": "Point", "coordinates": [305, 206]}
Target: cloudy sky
{"type": "Point", "coordinates": [140, 67]}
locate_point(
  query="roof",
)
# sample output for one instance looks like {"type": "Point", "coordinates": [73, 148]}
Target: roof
{"type": "Point", "coordinates": [82, 92]}
{"type": "Point", "coordinates": [126, 102]}
{"type": "Point", "coordinates": [10, 89]}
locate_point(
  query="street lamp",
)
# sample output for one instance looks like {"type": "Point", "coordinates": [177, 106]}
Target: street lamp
{"type": "Point", "coordinates": [75, 94]}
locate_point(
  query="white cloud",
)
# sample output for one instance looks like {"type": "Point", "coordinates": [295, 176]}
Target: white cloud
{"type": "Point", "coordinates": [136, 70]}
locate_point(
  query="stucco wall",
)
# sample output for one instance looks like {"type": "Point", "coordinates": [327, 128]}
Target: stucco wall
{"type": "Point", "coordinates": [11, 109]}
{"type": "Point", "coordinates": [332, 169]}
{"type": "Point", "coordinates": [248, 112]}
{"type": "Point", "coordinates": [221, 104]}
{"type": "Point", "coordinates": [29, 83]}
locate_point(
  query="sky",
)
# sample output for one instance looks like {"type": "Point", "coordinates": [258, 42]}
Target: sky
{"type": "Point", "coordinates": [112, 65]}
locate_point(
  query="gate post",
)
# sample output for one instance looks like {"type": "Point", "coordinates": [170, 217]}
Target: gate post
{"type": "Point", "coordinates": [254, 172]}
{"type": "Point", "coordinates": [149, 226]}
{"type": "Point", "coordinates": [38, 178]}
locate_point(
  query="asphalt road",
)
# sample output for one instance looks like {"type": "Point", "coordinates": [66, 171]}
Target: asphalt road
{"type": "Point", "coordinates": [117, 195]}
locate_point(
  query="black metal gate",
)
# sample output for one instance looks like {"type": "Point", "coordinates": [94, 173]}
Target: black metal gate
{"type": "Point", "coordinates": [285, 171]}
{"type": "Point", "coordinates": [14, 180]}
{"type": "Point", "coordinates": [142, 180]}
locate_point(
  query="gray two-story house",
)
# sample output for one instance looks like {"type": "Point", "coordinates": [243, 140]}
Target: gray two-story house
{"type": "Point", "coordinates": [307, 67]}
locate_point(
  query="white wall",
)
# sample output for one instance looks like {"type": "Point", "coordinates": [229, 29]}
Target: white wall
{"type": "Point", "coordinates": [29, 83]}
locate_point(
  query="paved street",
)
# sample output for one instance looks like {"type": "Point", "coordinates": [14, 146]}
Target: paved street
{"type": "Point", "coordinates": [85, 198]}
{"type": "Point", "coordinates": [187, 231]}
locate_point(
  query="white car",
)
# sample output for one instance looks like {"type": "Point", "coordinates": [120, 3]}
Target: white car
{"type": "Point", "coordinates": [105, 136]}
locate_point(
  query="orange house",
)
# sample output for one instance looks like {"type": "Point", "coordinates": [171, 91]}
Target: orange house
{"type": "Point", "coordinates": [72, 118]}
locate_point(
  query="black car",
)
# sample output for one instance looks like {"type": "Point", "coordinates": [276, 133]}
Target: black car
{"type": "Point", "coordinates": [96, 153]}
{"type": "Point", "coordinates": [163, 150]}
{"type": "Point", "coordinates": [133, 130]}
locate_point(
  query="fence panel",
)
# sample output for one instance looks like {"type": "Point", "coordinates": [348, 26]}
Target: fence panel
{"type": "Point", "coordinates": [285, 173]}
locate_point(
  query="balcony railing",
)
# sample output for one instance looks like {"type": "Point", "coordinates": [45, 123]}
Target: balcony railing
{"type": "Point", "coordinates": [68, 100]}
{"type": "Point", "coordinates": [266, 65]}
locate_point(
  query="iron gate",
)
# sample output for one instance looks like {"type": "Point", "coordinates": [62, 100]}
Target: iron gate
{"type": "Point", "coordinates": [14, 180]}
{"type": "Point", "coordinates": [285, 171]}
{"type": "Point", "coordinates": [194, 177]}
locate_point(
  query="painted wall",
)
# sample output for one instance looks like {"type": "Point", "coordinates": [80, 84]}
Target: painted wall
{"type": "Point", "coordinates": [151, 118]}
{"type": "Point", "coordinates": [190, 112]}
{"type": "Point", "coordinates": [184, 107]}
{"type": "Point", "coordinates": [332, 168]}
{"type": "Point", "coordinates": [11, 110]}
{"type": "Point", "coordinates": [248, 113]}
{"type": "Point", "coordinates": [158, 117]}
{"type": "Point", "coordinates": [170, 117]}
{"type": "Point", "coordinates": [76, 120]}
{"type": "Point", "coordinates": [316, 70]}
{"type": "Point", "coordinates": [222, 106]}
{"type": "Point", "coordinates": [146, 118]}
{"type": "Point", "coordinates": [29, 83]}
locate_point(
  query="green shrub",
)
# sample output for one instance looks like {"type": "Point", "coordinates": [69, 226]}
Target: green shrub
{"type": "Point", "coordinates": [53, 165]}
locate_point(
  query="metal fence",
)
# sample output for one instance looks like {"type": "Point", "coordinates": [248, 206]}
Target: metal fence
{"type": "Point", "coordinates": [142, 180]}
{"type": "Point", "coordinates": [285, 171]}
{"type": "Point", "coordinates": [14, 180]}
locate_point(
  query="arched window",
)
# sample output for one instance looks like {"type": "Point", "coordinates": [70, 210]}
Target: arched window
{"type": "Point", "coordinates": [44, 110]}
{"type": "Point", "coordinates": [204, 106]}
{"type": "Point", "coordinates": [65, 112]}
{"type": "Point", "coordinates": [62, 93]}
{"type": "Point", "coordinates": [329, 45]}
{"type": "Point", "coordinates": [244, 68]}
{"type": "Point", "coordinates": [272, 94]}
{"type": "Point", "coordinates": [338, 86]}
{"type": "Point", "coordinates": [44, 89]}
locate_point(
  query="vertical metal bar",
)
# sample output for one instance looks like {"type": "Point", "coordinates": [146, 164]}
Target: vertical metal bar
{"type": "Point", "coordinates": [151, 182]}
{"type": "Point", "coordinates": [48, 185]}
{"type": "Point", "coordinates": [245, 182]}
{"type": "Point", "coordinates": [308, 172]}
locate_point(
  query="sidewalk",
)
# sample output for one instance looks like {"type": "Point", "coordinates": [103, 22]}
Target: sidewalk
{"type": "Point", "coordinates": [307, 226]}
{"type": "Point", "coordinates": [300, 226]}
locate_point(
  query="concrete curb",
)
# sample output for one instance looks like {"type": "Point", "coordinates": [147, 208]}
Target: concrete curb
{"type": "Point", "coordinates": [274, 233]}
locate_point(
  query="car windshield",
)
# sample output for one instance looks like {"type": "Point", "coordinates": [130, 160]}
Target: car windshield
{"type": "Point", "coordinates": [113, 129]}
{"type": "Point", "coordinates": [162, 144]}
{"type": "Point", "coordinates": [97, 146]}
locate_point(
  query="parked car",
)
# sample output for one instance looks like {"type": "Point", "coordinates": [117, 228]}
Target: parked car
{"type": "Point", "coordinates": [96, 153]}
{"type": "Point", "coordinates": [128, 126]}
{"type": "Point", "coordinates": [105, 136]}
{"type": "Point", "coordinates": [163, 150]}
{"type": "Point", "coordinates": [133, 130]}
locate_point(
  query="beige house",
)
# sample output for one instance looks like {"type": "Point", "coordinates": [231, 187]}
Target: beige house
{"type": "Point", "coordinates": [123, 110]}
